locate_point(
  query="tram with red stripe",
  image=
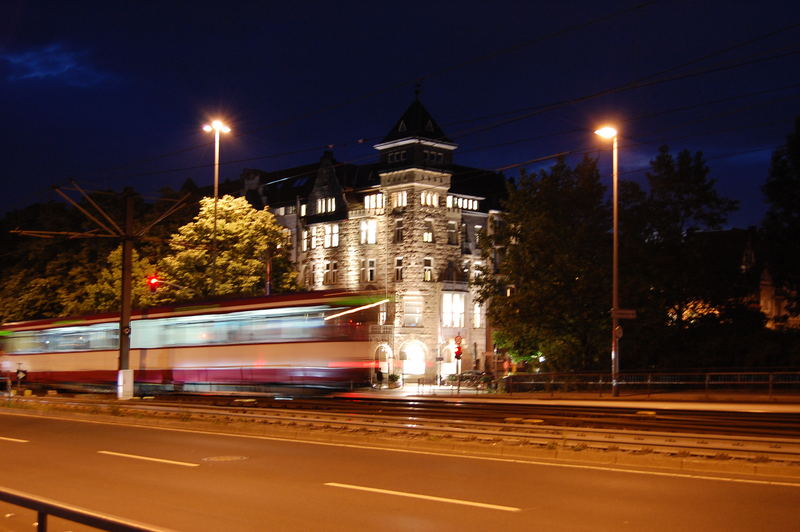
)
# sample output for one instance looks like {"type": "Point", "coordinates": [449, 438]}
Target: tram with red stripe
{"type": "Point", "coordinates": [309, 340]}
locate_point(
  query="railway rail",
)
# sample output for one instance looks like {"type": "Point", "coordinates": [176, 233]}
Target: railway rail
{"type": "Point", "coordinates": [528, 430]}
{"type": "Point", "coordinates": [767, 424]}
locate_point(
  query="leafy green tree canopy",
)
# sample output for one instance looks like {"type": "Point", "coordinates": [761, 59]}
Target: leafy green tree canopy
{"type": "Point", "coordinates": [246, 241]}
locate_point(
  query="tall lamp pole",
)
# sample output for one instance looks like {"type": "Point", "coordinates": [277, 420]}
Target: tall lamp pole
{"type": "Point", "coordinates": [216, 126]}
{"type": "Point", "coordinates": [611, 133]}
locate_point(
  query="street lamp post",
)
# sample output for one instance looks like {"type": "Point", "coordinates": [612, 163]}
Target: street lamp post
{"type": "Point", "coordinates": [611, 133]}
{"type": "Point", "coordinates": [216, 126]}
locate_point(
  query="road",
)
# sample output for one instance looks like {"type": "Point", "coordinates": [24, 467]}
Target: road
{"type": "Point", "coordinates": [186, 480]}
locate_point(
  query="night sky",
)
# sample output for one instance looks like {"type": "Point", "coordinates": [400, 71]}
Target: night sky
{"type": "Point", "coordinates": [115, 94]}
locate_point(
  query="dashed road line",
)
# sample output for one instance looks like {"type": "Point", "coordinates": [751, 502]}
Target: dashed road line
{"type": "Point", "coordinates": [148, 458]}
{"type": "Point", "coordinates": [720, 478]}
{"type": "Point", "coordinates": [426, 497]}
{"type": "Point", "coordinates": [15, 440]}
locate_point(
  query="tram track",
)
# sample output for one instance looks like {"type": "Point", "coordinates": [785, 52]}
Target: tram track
{"type": "Point", "coordinates": [732, 423]}
{"type": "Point", "coordinates": [528, 432]}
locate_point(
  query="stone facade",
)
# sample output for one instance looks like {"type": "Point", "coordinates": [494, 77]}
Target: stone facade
{"type": "Point", "coordinates": [402, 225]}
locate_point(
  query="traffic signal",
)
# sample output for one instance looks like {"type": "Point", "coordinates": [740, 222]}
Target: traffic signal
{"type": "Point", "coordinates": [153, 281]}
{"type": "Point", "coordinates": [458, 352]}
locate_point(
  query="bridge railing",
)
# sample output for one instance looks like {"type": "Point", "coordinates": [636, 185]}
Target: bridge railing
{"type": "Point", "coordinates": [45, 508]}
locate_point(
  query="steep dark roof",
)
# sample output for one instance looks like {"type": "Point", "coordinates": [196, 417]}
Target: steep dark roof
{"type": "Point", "coordinates": [481, 183]}
{"type": "Point", "coordinates": [416, 122]}
{"type": "Point", "coordinates": [282, 187]}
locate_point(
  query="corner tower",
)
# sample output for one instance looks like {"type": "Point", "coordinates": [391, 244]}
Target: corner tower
{"type": "Point", "coordinates": [422, 240]}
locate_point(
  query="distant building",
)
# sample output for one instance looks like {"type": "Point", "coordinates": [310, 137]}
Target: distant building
{"type": "Point", "coordinates": [408, 224]}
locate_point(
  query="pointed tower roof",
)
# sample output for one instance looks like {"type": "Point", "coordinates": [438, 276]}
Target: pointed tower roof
{"type": "Point", "coordinates": [416, 122]}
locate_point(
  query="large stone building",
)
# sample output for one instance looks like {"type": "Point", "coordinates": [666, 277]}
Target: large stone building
{"type": "Point", "coordinates": [408, 224]}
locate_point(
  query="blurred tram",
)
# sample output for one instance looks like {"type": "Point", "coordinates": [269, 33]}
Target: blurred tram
{"type": "Point", "coordinates": [310, 340]}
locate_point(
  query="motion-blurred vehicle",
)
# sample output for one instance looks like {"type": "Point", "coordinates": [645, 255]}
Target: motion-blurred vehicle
{"type": "Point", "coordinates": [317, 339]}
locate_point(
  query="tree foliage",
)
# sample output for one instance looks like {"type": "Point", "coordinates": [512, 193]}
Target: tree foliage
{"type": "Point", "coordinates": [103, 295]}
{"type": "Point", "coordinates": [556, 254]}
{"type": "Point", "coordinates": [246, 239]}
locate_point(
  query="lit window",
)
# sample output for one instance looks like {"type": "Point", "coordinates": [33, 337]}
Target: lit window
{"type": "Point", "coordinates": [400, 199]}
{"type": "Point", "coordinates": [314, 237]}
{"type": "Point", "coordinates": [331, 272]}
{"type": "Point", "coordinates": [305, 240]}
{"type": "Point", "coordinates": [449, 202]}
{"type": "Point", "coordinates": [373, 201]}
{"type": "Point", "coordinates": [303, 209]}
{"type": "Point", "coordinates": [452, 309]}
{"type": "Point", "coordinates": [326, 205]}
{"type": "Point", "coordinates": [427, 269]}
{"type": "Point", "coordinates": [478, 229]}
{"type": "Point", "coordinates": [412, 312]}
{"type": "Point", "coordinates": [427, 233]}
{"type": "Point", "coordinates": [331, 235]}
{"type": "Point", "coordinates": [369, 231]}
{"type": "Point", "coordinates": [431, 199]}
{"type": "Point", "coordinates": [476, 315]}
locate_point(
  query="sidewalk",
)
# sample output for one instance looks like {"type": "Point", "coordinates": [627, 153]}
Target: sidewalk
{"type": "Point", "coordinates": [726, 401]}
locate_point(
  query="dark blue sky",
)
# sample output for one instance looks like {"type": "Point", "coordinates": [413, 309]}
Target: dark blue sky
{"type": "Point", "coordinates": [114, 94]}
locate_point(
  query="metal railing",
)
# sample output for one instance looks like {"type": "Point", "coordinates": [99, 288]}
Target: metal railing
{"type": "Point", "coordinates": [46, 507]}
{"type": "Point", "coordinates": [769, 383]}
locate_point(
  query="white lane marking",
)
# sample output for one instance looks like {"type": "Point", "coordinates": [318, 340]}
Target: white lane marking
{"type": "Point", "coordinates": [13, 439]}
{"type": "Point", "coordinates": [429, 453]}
{"type": "Point", "coordinates": [137, 457]}
{"type": "Point", "coordinates": [426, 497]}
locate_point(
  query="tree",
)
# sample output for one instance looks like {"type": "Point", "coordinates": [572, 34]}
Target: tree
{"type": "Point", "coordinates": [677, 269]}
{"type": "Point", "coordinates": [103, 294]}
{"type": "Point", "coordinates": [550, 295]}
{"type": "Point", "coordinates": [246, 239]}
{"type": "Point", "coordinates": [781, 226]}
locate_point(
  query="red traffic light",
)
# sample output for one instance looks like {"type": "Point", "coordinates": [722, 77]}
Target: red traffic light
{"type": "Point", "coordinates": [153, 281]}
{"type": "Point", "coordinates": [458, 352]}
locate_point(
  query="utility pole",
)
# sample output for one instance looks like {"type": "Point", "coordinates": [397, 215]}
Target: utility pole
{"type": "Point", "coordinates": [110, 229]}
{"type": "Point", "coordinates": [125, 375]}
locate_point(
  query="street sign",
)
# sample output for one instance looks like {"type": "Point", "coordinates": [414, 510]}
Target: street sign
{"type": "Point", "coordinates": [624, 314]}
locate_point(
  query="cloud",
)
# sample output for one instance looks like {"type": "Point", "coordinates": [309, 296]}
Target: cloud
{"type": "Point", "coordinates": [53, 62]}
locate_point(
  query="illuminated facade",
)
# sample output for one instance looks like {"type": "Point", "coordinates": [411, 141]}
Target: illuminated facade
{"type": "Point", "coordinates": [408, 224]}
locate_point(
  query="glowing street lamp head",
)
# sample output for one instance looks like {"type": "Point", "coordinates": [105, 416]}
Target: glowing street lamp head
{"type": "Point", "coordinates": [607, 132]}
{"type": "Point", "coordinates": [216, 125]}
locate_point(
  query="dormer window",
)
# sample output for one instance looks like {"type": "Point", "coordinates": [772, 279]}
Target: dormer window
{"type": "Point", "coordinates": [326, 205]}
{"type": "Point", "coordinates": [396, 156]}
{"type": "Point", "coordinates": [432, 156]}
{"type": "Point", "coordinates": [373, 201]}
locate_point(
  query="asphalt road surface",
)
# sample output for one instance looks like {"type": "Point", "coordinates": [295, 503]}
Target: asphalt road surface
{"type": "Point", "coordinates": [197, 481]}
